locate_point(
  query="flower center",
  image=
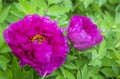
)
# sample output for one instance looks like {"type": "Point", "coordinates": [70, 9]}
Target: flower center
{"type": "Point", "coordinates": [39, 38]}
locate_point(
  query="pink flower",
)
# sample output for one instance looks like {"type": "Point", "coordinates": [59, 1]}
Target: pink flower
{"type": "Point", "coordinates": [83, 33]}
{"type": "Point", "coordinates": [38, 42]}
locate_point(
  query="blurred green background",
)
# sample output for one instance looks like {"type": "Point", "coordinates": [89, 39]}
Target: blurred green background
{"type": "Point", "coordinates": [100, 62]}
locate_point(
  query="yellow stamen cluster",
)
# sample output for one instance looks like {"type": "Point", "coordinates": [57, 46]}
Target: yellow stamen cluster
{"type": "Point", "coordinates": [39, 38]}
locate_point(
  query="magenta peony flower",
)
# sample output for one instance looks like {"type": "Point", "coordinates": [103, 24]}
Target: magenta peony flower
{"type": "Point", "coordinates": [83, 33]}
{"type": "Point", "coordinates": [38, 42]}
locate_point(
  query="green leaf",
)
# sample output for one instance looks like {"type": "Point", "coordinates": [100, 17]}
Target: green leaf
{"type": "Point", "coordinates": [96, 62]}
{"type": "Point", "coordinates": [117, 18]}
{"type": "Point", "coordinates": [53, 1]}
{"type": "Point", "coordinates": [21, 8]}
{"type": "Point", "coordinates": [1, 37]}
{"type": "Point", "coordinates": [4, 13]}
{"type": "Point", "coordinates": [102, 50]}
{"type": "Point", "coordinates": [3, 75]}
{"type": "Point", "coordinates": [5, 48]}
{"type": "Point", "coordinates": [42, 4]}
{"type": "Point", "coordinates": [59, 77]}
{"type": "Point", "coordinates": [118, 44]}
{"type": "Point", "coordinates": [98, 77]}
{"type": "Point", "coordinates": [108, 72]}
{"type": "Point", "coordinates": [0, 5]}
{"type": "Point", "coordinates": [70, 57]}
{"type": "Point", "coordinates": [84, 72]}
{"type": "Point", "coordinates": [69, 65]}
{"type": "Point", "coordinates": [93, 71]}
{"type": "Point", "coordinates": [34, 5]}
{"type": "Point", "coordinates": [113, 1]}
{"type": "Point", "coordinates": [3, 62]}
{"type": "Point", "coordinates": [115, 69]}
{"type": "Point", "coordinates": [79, 75]}
{"type": "Point", "coordinates": [9, 74]}
{"type": "Point", "coordinates": [107, 62]}
{"type": "Point", "coordinates": [41, 12]}
{"type": "Point", "coordinates": [25, 4]}
{"type": "Point", "coordinates": [29, 6]}
{"type": "Point", "coordinates": [54, 73]}
{"type": "Point", "coordinates": [12, 18]}
{"type": "Point", "coordinates": [108, 19]}
{"type": "Point", "coordinates": [63, 72]}
{"type": "Point", "coordinates": [68, 4]}
{"type": "Point", "coordinates": [22, 73]}
{"type": "Point", "coordinates": [57, 10]}
{"type": "Point", "coordinates": [94, 54]}
{"type": "Point", "coordinates": [69, 75]}
{"type": "Point", "coordinates": [42, 7]}
{"type": "Point", "coordinates": [87, 2]}
{"type": "Point", "coordinates": [81, 61]}
{"type": "Point", "coordinates": [62, 21]}
{"type": "Point", "coordinates": [17, 14]}
{"type": "Point", "coordinates": [100, 2]}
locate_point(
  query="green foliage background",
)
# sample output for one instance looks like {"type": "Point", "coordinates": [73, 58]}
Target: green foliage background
{"type": "Point", "coordinates": [100, 62]}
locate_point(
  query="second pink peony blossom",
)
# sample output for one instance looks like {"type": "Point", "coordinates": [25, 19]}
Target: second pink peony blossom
{"type": "Point", "coordinates": [83, 33]}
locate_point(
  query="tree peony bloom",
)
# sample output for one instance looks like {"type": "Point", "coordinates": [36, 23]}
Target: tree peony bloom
{"type": "Point", "coordinates": [38, 42]}
{"type": "Point", "coordinates": [83, 33]}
